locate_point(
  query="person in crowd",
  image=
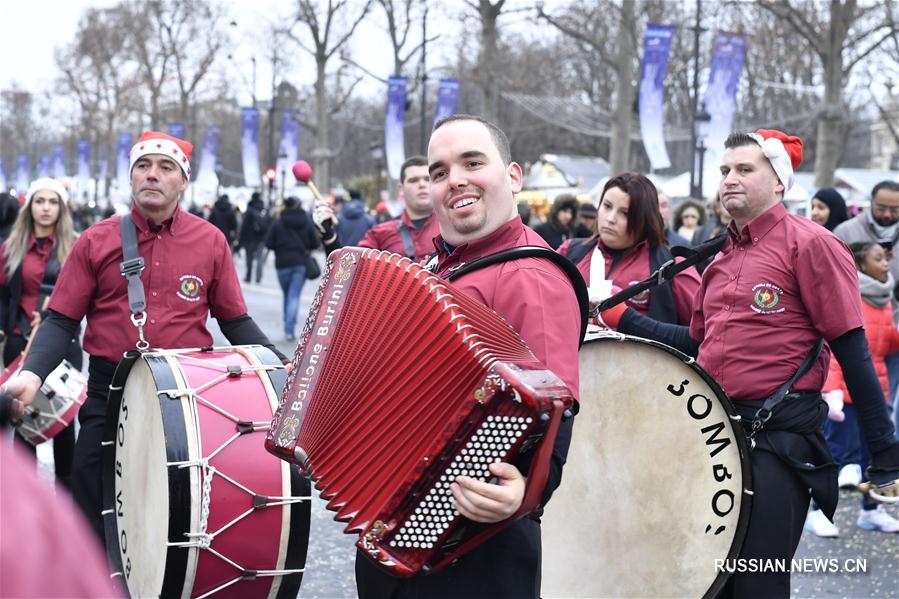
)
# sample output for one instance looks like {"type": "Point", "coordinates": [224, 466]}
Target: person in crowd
{"type": "Point", "coordinates": [670, 235]}
{"type": "Point", "coordinates": [188, 274]}
{"type": "Point", "coordinates": [758, 324]}
{"type": "Point", "coordinates": [9, 210]}
{"type": "Point", "coordinates": [30, 259]}
{"type": "Point", "coordinates": [224, 218]}
{"type": "Point", "coordinates": [253, 230]}
{"type": "Point", "coordinates": [291, 237]}
{"type": "Point", "coordinates": [412, 235]}
{"type": "Point", "coordinates": [688, 217]}
{"type": "Point", "coordinates": [829, 208]}
{"type": "Point", "coordinates": [560, 226]}
{"type": "Point", "coordinates": [628, 244]}
{"type": "Point", "coordinates": [841, 430]}
{"type": "Point", "coordinates": [473, 187]}
{"type": "Point", "coordinates": [586, 220]}
{"type": "Point", "coordinates": [354, 220]}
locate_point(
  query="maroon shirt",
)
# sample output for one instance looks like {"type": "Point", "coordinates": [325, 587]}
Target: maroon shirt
{"type": "Point", "coordinates": [772, 292]}
{"type": "Point", "coordinates": [633, 267]}
{"type": "Point", "coordinates": [188, 273]}
{"type": "Point", "coordinates": [533, 295]}
{"type": "Point", "coordinates": [33, 266]}
{"type": "Point", "coordinates": [387, 237]}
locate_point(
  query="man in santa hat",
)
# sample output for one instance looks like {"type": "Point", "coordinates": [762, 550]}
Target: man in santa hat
{"type": "Point", "coordinates": [779, 285]}
{"type": "Point", "coordinates": [187, 274]}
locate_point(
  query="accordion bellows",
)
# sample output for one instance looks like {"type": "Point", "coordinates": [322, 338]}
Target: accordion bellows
{"type": "Point", "coordinates": [400, 384]}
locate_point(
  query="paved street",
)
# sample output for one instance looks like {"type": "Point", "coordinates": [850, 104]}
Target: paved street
{"type": "Point", "coordinates": [329, 568]}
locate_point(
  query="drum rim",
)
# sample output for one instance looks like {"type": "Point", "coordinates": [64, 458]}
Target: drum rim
{"type": "Point", "coordinates": [740, 441]}
{"type": "Point", "coordinates": [174, 578]}
{"type": "Point", "coordinates": [179, 515]}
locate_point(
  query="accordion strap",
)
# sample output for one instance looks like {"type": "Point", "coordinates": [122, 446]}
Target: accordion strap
{"type": "Point", "coordinates": [534, 251]}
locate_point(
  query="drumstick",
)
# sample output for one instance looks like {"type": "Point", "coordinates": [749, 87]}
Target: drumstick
{"type": "Point", "coordinates": [303, 172]}
{"type": "Point", "coordinates": [885, 493]}
{"type": "Point", "coordinates": [34, 332]}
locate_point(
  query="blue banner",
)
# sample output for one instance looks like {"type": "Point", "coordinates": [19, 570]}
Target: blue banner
{"type": "Point", "coordinates": [59, 162]}
{"type": "Point", "coordinates": [176, 130]}
{"type": "Point", "coordinates": [721, 94]}
{"type": "Point", "coordinates": [208, 155]}
{"type": "Point", "coordinates": [84, 160]}
{"type": "Point", "coordinates": [122, 171]}
{"type": "Point", "coordinates": [103, 174]}
{"type": "Point", "coordinates": [249, 118]}
{"type": "Point", "coordinates": [656, 47]}
{"type": "Point", "coordinates": [3, 186]}
{"type": "Point", "coordinates": [447, 99]}
{"type": "Point", "coordinates": [394, 139]}
{"type": "Point", "coordinates": [43, 169]}
{"type": "Point", "coordinates": [289, 148]}
{"type": "Point", "coordinates": [22, 176]}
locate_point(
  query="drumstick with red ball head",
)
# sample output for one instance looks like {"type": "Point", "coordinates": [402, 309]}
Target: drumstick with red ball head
{"type": "Point", "coordinates": [303, 172]}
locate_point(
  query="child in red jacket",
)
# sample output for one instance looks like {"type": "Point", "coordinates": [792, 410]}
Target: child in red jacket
{"type": "Point", "coordinates": [841, 429]}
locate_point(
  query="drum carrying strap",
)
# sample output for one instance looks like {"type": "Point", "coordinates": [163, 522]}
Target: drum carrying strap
{"type": "Point", "coordinates": [131, 268]}
{"type": "Point", "coordinates": [534, 251]}
{"type": "Point", "coordinates": [667, 271]}
{"type": "Point", "coordinates": [408, 243]}
{"type": "Point", "coordinates": [763, 415]}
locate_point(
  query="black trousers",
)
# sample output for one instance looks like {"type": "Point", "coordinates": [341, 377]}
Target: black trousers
{"type": "Point", "coordinates": [507, 565]}
{"type": "Point", "coordinates": [779, 507]}
{"type": "Point", "coordinates": [64, 441]}
{"type": "Point", "coordinates": [87, 475]}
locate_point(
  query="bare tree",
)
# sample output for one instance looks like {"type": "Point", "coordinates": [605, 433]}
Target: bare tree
{"type": "Point", "coordinates": [622, 57]}
{"type": "Point", "coordinates": [326, 34]}
{"type": "Point", "coordinates": [841, 36]}
{"type": "Point", "coordinates": [193, 33]}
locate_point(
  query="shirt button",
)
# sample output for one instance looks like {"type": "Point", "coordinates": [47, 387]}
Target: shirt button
{"type": "Point", "coordinates": [733, 277]}
{"type": "Point", "coordinates": [727, 307]}
{"type": "Point", "coordinates": [152, 321]}
{"type": "Point", "coordinates": [741, 249]}
{"type": "Point", "coordinates": [156, 263]}
{"type": "Point", "coordinates": [755, 239]}
{"type": "Point", "coordinates": [155, 294]}
{"type": "Point", "coordinates": [159, 237]}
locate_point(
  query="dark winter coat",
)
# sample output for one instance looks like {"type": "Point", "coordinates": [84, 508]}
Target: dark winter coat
{"type": "Point", "coordinates": [224, 217]}
{"type": "Point", "coordinates": [353, 223]}
{"type": "Point", "coordinates": [255, 225]}
{"type": "Point", "coordinates": [291, 236]}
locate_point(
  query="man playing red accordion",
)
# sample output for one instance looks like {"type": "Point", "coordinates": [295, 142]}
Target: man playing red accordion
{"type": "Point", "coordinates": [473, 186]}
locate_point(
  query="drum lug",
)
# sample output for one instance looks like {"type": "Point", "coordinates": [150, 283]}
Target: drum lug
{"type": "Point", "coordinates": [234, 370]}
{"type": "Point", "coordinates": [260, 501]}
{"type": "Point", "coordinates": [244, 427]}
{"type": "Point", "coordinates": [249, 574]}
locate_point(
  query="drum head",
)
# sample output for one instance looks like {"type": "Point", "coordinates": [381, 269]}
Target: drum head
{"type": "Point", "coordinates": [653, 490]}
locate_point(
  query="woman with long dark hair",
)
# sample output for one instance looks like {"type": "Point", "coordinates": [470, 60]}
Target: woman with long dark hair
{"type": "Point", "coordinates": [30, 259]}
{"type": "Point", "coordinates": [629, 238]}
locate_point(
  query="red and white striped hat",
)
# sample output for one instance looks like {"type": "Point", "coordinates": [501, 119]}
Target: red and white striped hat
{"type": "Point", "coordinates": [155, 142]}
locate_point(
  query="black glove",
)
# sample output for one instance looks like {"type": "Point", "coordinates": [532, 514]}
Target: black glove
{"type": "Point", "coordinates": [326, 228]}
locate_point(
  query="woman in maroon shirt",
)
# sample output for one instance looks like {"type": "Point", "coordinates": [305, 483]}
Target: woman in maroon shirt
{"type": "Point", "coordinates": [629, 236]}
{"type": "Point", "coordinates": [39, 243]}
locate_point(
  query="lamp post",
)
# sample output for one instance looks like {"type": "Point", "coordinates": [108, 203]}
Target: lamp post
{"type": "Point", "coordinates": [377, 154]}
{"type": "Point", "coordinates": [697, 146]}
{"type": "Point", "coordinates": [424, 78]}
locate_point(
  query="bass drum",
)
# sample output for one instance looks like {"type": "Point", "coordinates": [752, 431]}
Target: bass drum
{"type": "Point", "coordinates": [657, 484]}
{"type": "Point", "coordinates": [193, 505]}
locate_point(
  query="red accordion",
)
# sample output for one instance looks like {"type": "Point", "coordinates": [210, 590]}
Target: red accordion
{"type": "Point", "coordinates": [400, 384]}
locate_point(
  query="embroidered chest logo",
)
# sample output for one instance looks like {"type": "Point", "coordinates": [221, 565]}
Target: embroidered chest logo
{"type": "Point", "coordinates": [189, 288]}
{"type": "Point", "coordinates": [766, 298]}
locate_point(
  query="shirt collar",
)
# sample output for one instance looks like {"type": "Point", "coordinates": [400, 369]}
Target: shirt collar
{"type": "Point", "coordinates": [759, 226]}
{"type": "Point", "coordinates": [505, 236]}
{"type": "Point", "coordinates": [173, 224]}
{"type": "Point", "coordinates": [32, 241]}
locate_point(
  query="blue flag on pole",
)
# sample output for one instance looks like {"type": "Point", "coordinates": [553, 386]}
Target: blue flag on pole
{"type": "Point", "coordinates": [394, 115]}
{"type": "Point", "coordinates": [656, 47]}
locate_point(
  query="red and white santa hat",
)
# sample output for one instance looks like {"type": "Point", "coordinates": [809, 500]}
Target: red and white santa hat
{"type": "Point", "coordinates": [155, 142]}
{"type": "Point", "coordinates": [783, 151]}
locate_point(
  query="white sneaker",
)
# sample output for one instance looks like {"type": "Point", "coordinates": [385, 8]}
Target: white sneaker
{"type": "Point", "coordinates": [850, 476]}
{"type": "Point", "coordinates": [877, 519]}
{"type": "Point", "coordinates": [818, 524]}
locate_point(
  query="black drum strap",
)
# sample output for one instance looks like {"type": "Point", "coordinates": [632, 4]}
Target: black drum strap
{"type": "Point", "coordinates": [408, 243]}
{"type": "Point", "coordinates": [764, 413]}
{"type": "Point", "coordinates": [533, 251]}
{"type": "Point", "coordinates": [131, 268]}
